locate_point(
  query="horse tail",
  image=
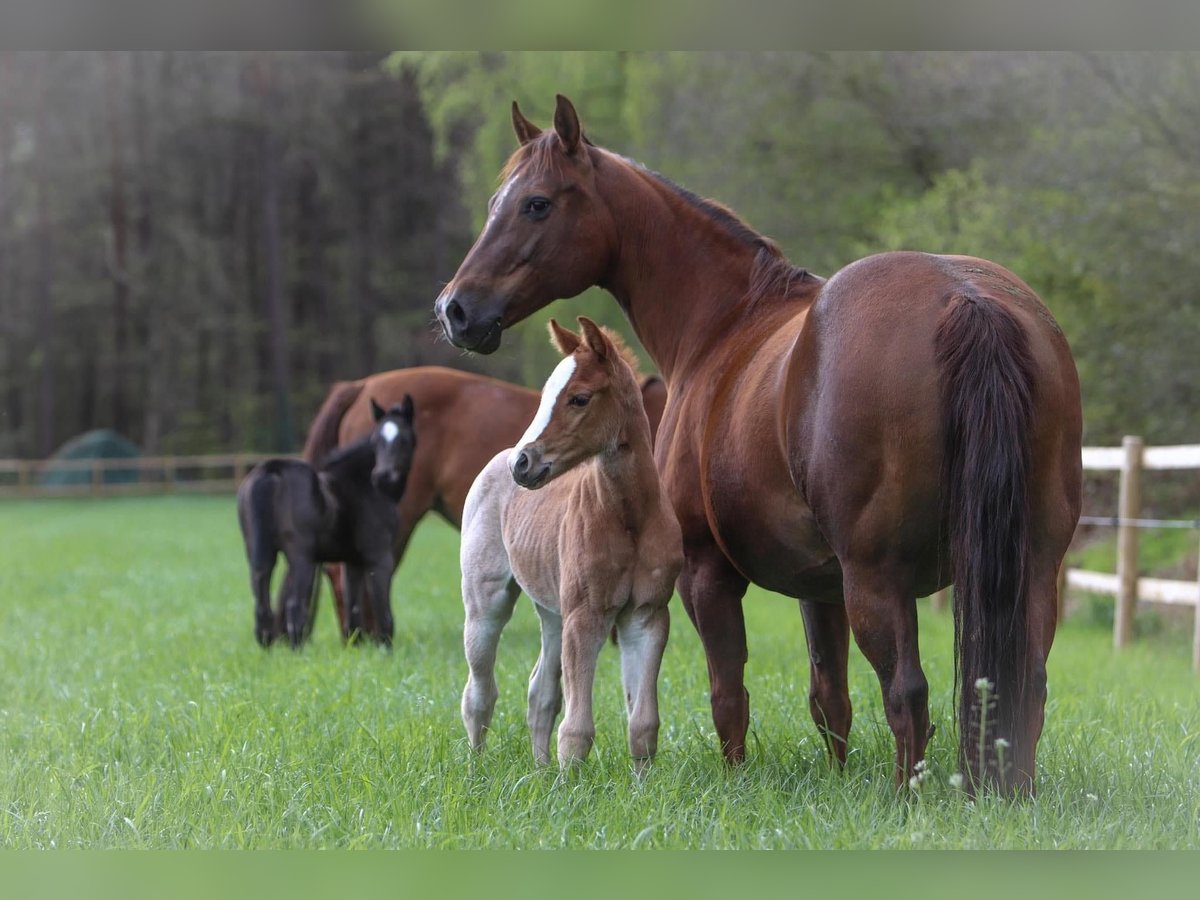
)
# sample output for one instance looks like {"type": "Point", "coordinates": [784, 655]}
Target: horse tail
{"type": "Point", "coordinates": [987, 402]}
{"type": "Point", "coordinates": [323, 432]}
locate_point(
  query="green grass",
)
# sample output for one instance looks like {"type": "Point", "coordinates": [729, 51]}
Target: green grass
{"type": "Point", "coordinates": [137, 711]}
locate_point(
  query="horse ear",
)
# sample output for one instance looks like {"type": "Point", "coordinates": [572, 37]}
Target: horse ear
{"type": "Point", "coordinates": [565, 341]}
{"type": "Point", "coordinates": [526, 130]}
{"type": "Point", "coordinates": [566, 124]}
{"type": "Point", "coordinates": [596, 339]}
{"type": "Point", "coordinates": [406, 408]}
{"type": "Point", "coordinates": [377, 412]}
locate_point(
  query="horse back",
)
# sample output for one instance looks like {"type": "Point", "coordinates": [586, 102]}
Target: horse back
{"type": "Point", "coordinates": [462, 421]}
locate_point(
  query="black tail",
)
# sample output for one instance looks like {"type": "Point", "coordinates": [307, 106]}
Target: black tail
{"type": "Point", "coordinates": [987, 402]}
{"type": "Point", "coordinates": [323, 432]}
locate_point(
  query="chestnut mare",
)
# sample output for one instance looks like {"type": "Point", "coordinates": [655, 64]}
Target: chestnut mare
{"type": "Point", "coordinates": [855, 443]}
{"type": "Point", "coordinates": [463, 420]}
{"type": "Point", "coordinates": [593, 542]}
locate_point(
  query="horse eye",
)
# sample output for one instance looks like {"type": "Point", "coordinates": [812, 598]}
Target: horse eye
{"type": "Point", "coordinates": [537, 207]}
{"type": "Point", "coordinates": [578, 400]}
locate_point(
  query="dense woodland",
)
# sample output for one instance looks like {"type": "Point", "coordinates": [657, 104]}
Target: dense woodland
{"type": "Point", "coordinates": [193, 245]}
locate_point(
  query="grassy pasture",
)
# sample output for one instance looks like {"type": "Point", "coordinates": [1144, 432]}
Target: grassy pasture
{"type": "Point", "coordinates": [137, 711]}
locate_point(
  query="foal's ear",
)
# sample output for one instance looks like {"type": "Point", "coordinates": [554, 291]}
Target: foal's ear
{"type": "Point", "coordinates": [406, 408]}
{"type": "Point", "coordinates": [377, 412]}
{"type": "Point", "coordinates": [526, 130]}
{"type": "Point", "coordinates": [566, 341]}
{"type": "Point", "coordinates": [566, 124]}
{"type": "Point", "coordinates": [596, 340]}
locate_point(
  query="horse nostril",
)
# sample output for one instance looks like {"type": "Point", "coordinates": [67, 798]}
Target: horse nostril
{"type": "Point", "coordinates": [522, 464]}
{"type": "Point", "coordinates": [455, 313]}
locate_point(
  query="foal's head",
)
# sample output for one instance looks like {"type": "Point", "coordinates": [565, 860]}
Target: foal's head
{"type": "Point", "coordinates": [394, 441]}
{"type": "Point", "coordinates": [588, 404]}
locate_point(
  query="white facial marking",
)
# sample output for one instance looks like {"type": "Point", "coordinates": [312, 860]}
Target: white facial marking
{"type": "Point", "coordinates": [554, 385]}
{"type": "Point", "coordinates": [501, 195]}
{"type": "Point", "coordinates": [390, 431]}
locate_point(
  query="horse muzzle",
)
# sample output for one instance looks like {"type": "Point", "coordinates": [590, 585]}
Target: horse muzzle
{"type": "Point", "coordinates": [529, 470]}
{"type": "Point", "coordinates": [466, 324]}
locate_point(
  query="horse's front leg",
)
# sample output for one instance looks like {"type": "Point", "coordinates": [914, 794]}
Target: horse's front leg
{"type": "Point", "coordinates": [584, 631]}
{"type": "Point", "coordinates": [642, 637]}
{"type": "Point", "coordinates": [354, 590]}
{"type": "Point", "coordinates": [379, 588]}
{"type": "Point", "coordinates": [712, 591]}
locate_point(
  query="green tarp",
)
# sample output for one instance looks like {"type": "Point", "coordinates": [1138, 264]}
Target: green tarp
{"type": "Point", "coordinates": [71, 463]}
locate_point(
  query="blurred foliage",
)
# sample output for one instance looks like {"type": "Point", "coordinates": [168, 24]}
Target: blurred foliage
{"type": "Point", "coordinates": [1077, 171]}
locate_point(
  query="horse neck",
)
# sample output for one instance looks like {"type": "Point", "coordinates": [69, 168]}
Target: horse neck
{"type": "Point", "coordinates": [627, 475]}
{"type": "Point", "coordinates": [351, 464]}
{"type": "Point", "coordinates": [679, 274]}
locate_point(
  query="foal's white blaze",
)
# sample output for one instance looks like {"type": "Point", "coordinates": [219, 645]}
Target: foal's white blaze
{"type": "Point", "coordinates": [390, 431]}
{"type": "Point", "coordinates": [554, 386]}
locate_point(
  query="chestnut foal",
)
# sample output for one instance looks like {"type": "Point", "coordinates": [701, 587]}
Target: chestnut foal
{"type": "Point", "coordinates": [573, 515]}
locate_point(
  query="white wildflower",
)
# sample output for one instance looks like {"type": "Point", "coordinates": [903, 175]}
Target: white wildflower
{"type": "Point", "coordinates": [956, 781]}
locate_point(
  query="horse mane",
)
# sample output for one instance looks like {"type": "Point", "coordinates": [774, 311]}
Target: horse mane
{"type": "Point", "coordinates": [772, 274]}
{"type": "Point", "coordinates": [343, 454]}
{"type": "Point", "coordinates": [624, 352]}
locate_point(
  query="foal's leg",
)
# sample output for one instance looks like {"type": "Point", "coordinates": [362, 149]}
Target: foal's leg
{"type": "Point", "coordinates": [489, 603]}
{"type": "Point", "coordinates": [883, 617]}
{"type": "Point", "coordinates": [260, 584]}
{"type": "Point", "coordinates": [379, 590]}
{"type": "Point", "coordinates": [712, 592]}
{"type": "Point", "coordinates": [354, 590]}
{"type": "Point", "coordinates": [828, 633]}
{"type": "Point", "coordinates": [642, 638]}
{"type": "Point", "coordinates": [302, 571]}
{"type": "Point", "coordinates": [545, 685]}
{"type": "Point", "coordinates": [584, 632]}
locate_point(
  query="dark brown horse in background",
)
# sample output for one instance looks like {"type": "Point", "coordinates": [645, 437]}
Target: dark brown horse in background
{"type": "Point", "coordinates": [463, 420]}
{"type": "Point", "coordinates": [855, 443]}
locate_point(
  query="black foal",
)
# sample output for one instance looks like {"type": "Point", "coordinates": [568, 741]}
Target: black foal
{"type": "Point", "coordinates": [345, 512]}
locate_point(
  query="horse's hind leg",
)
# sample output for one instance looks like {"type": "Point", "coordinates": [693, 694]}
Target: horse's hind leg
{"type": "Point", "coordinates": [883, 617]}
{"type": "Point", "coordinates": [545, 685]}
{"type": "Point", "coordinates": [489, 605]}
{"type": "Point", "coordinates": [260, 584]}
{"type": "Point", "coordinates": [642, 638]}
{"type": "Point", "coordinates": [584, 632]}
{"type": "Point", "coordinates": [301, 573]}
{"type": "Point", "coordinates": [828, 632]}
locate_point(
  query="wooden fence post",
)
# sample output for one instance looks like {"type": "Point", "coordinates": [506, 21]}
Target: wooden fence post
{"type": "Point", "coordinates": [1196, 628]}
{"type": "Point", "coordinates": [1129, 506]}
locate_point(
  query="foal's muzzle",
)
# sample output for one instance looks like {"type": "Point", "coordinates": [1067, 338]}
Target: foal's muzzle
{"type": "Point", "coordinates": [467, 323]}
{"type": "Point", "coordinates": [528, 470]}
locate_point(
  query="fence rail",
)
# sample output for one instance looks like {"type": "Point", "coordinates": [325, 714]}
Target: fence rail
{"type": "Point", "coordinates": [222, 473]}
{"type": "Point", "coordinates": [133, 475]}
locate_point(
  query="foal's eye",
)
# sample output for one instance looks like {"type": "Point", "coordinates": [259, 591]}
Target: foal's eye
{"type": "Point", "coordinates": [536, 207]}
{"type": "Point", "coordinates": [578, 400]}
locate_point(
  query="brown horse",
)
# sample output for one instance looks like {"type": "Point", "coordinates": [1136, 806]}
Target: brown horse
{"type": "Point", "coordinates": [593, 542]}
{"type": "Point", "coordinates": [855, 443]}
{"type": "Point", "coordinates": [462, 419]}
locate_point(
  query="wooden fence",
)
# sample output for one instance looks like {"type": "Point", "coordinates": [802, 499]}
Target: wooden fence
{"type": "Point", "coordinates": [128, 476]}
{"type": "Point", "coordinates": [1131, 459]}
{"type": "Point", "coordinates": [200, 474]}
